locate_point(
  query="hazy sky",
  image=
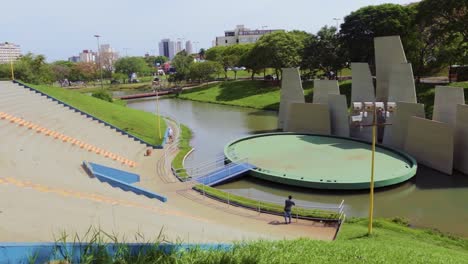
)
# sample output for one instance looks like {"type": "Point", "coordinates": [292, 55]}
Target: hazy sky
{"type": "Point", "coordinates": [62, 28]}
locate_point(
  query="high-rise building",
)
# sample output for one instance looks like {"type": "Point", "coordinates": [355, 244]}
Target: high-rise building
{"type": "Point", "coordinates": [74, 59]}
{"type": "Point", "coordinates": [178, 47]}
{"type": "Point", "coordinates": [188, 47]}
{"type": "Point", "coordinates": [9, 52]}
{"type": "Point", "coordinates": [107, 56]}
{"type": "Point", "coordinates": [87, 56]}
{"type": "Point", "coordinates": [167, 48]}
{"type": "Point", "coordinates": [241, 35]}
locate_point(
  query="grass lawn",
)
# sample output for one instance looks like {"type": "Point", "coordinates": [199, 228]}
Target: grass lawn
{"type": "Point", "coordinates": [391, 242]}
{"type": "Point", "coordinates": [137, 123]}
{"type": "Point", "coordinates": [266, 95]}
{"type": "Point", "coordinates": [184, 148]}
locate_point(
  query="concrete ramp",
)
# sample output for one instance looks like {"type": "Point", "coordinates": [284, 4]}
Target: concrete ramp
{"type": "Point", "coordinates": [229, 172]}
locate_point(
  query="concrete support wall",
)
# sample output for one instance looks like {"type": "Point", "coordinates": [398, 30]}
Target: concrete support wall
{"type": "Point", "coordinates": [388, 51]}
{"type": "Point", "coordinates": [395, 135]}
{"type": "Point", "coordinates": [461, 139]}
{"type": "Point", "coordinates": [401, 83]}
{"type": "Point", "coordinates": [308, 118]}
{"type": "Point", "coordinates": [362, 88]}
{"type": "Point", "coordinates": [338, 115]}
{"type": "Point", "coordinates": [431, 143]}
{"type": "Point", "coordinates": [445, 103]}
{"type": "Point", "coordinates": [291, 92]}
{"type": "Point", "coordinates": [322, 88]}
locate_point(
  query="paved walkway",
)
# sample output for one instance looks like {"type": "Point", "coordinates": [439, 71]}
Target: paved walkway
{"type": "Point", "coordinates": [44, 190]}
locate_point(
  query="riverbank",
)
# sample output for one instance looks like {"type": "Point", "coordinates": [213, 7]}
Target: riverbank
{"type": "Point", "coordinates": [138, 123]}
{"type": "Point", "coordinates": [266, 95]}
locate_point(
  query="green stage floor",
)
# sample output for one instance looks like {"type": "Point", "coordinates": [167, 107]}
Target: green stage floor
{"type": "Point", "coordinates": [320, 161]}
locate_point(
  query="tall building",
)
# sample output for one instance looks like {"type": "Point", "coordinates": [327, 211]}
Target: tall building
{"type": "Point", "coordinates": [74, 59]}
{"type": "Point", "coordinates": [178, 47]}
{"type": "Point", "coordinates": [188, 47]}
{"type": "Point", "coordinates": [87, 56]}
{"type": "Point", "coordinates": [167, 48]}
{"type": "Point", "coordinates": [107, 56]}
{"type": "Point", "coordinates": [241, 35]}
{"type": "Point", "coordinates": [9, 52]}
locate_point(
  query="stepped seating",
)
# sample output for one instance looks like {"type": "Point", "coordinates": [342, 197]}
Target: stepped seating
{"type": "Point", "coordinates": [65, 139]}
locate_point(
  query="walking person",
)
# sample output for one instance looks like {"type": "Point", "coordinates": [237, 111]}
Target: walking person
{"type": "Point", "coordinates": [288, 204]}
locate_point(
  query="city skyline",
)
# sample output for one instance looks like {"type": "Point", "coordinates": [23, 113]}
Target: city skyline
{"type": "Point", "coordinates": [60, 29]}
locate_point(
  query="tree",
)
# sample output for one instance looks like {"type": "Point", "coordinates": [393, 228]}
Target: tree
{"type": "Point", "coordinates": [362, 26]}
{"type": "Point", "coordinates": [202, 71]}
{"type": "Point", "coordinates": [324, 52]}
{"type": "Point", "coordinates": [280, 50]}
{"type": "Point", "coordinates": [443, 33]}
{"type": "Point", "coordinates": [161, 60]}
{"type": "Point", "coordinates": [34, 69]}
{"type": "Point", "coordinates": [202, 53]}
{"type": "Point", "coordinates": [129, 65]}
{"type": "Point", "coordinates": [84, 71]}
{"type": "Point", "coordinates": [61, 70]}
{"type": "Point", "coordinates": [107, 60]}
{"type": "Point", "coordinates": [181, 63]}
{"type": "Point", "coordinates": [254, 60]}
{"type": "Point", "coordinates": [229, 57]}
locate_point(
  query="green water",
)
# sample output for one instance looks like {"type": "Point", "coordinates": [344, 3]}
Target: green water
{"type": "Point", "coordinates": [430, 199]}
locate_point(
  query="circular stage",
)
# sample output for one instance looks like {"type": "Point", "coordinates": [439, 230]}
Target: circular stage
{"type": "Point", "coordinates": [318, 161]}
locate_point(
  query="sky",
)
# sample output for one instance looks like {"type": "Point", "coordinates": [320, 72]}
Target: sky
{"type": "Point", "coordinates": [62, 28]}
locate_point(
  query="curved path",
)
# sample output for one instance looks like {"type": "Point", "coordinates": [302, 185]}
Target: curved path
{"type": "Point", "coordinates": [44, 190]}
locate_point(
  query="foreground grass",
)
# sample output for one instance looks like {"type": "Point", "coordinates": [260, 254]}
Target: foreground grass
{"type": "Point", "coordinates": [135, 122]}
{"type": "Point", "coordinates": [391, 242]}
{"type": "Point", "coordinates": [264, 206]}
{"type": "Point", "coordinates": [184, 148]}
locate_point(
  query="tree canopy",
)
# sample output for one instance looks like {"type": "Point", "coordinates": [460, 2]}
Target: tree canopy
{"type": "Point", "coordinates": [129, 65]}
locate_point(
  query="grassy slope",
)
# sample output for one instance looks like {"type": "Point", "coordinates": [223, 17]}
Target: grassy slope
{"type": "Point", "coordinates": [138, 123]}
{"type": "Point", "coordinates": [266, 95]}
{"type": "Point", "coordinates": [184, 147]}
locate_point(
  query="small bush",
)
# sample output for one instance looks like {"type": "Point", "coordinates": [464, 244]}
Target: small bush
{"type": "Point", "coordinates": [103, 95]}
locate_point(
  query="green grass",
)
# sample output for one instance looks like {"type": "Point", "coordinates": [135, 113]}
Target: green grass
{"type": "Point", "coordinates": [266, 95]}
{"type": "Point", "coordinates": [184, 148]}
{"type": "Point", "coordinates": [265, 206]}
{"type": "Point", "coordinates": [391, 242]}
{"type": "Point", "coordinates": [135, 122]}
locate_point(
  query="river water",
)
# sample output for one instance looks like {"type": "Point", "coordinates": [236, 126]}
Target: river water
{"type": "Point", "coordinates": [430, 199]}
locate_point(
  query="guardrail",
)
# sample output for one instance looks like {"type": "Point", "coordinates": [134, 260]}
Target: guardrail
{"type": "Point", "coordinates": [90, 116]}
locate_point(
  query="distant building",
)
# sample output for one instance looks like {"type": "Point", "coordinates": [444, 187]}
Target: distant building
{"type": "Point", "coordinates": [74, 59]}
{"type": "Point", "coordinates": [188, 47]}
{"type": "Point", "coordinates": [107, 57]}
{"type": "Point", "coordinates": [178, 47]}
{"type": "Point", "coordinates": [9, 52]}
{"type": "Point", "coordinates": [167, 48]}
{"type": "Point", "coordinates": [242, 35]}
{"type": "Point", "coordinates": [87, 56]}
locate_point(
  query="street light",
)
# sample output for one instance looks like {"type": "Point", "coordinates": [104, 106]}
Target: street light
{"type": "Point", "coordinates": [99, 59]}
{"type": "Point", "coordinates": [337, 21]}
{"type": "Point", "coordinates": [361, 109]}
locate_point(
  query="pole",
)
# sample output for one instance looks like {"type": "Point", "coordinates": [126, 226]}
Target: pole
{"type": "Point", "coordinates": [371, 202]}
{"type": "Point", "coordinates": [11, 66]}
{"type": "Point", "coordinates": [99, 60]}
{"type": "Point", "coordinates": [157, 113]}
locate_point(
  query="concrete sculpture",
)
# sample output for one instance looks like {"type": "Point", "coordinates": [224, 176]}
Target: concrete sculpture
{"type": "Point", "coordinates": [338, 115]}
{"type": "Point", "coordinates": [431, 143]}
{"type": "Point", "coordinates": [445, 103]}
{"type": "Point", "coordinates": [362, 90]}
{"type": "Point", "coordinates": [401, 83]}
{"type": "Point", "coordinates": [322, 88]}
{"type": "Point", "coordinates": [395, 135]}
{"type": "Point", "coordinates": [308, 118]}
{"type": "Point", "coordinates": [388, 51]}
{"type": "Point", "coordinates": [461, 139]}
{"type": "Point", "coordinates": [291, 92]}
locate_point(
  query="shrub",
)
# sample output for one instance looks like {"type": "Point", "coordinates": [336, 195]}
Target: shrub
{"type": "Point", "coordinates": [103, 95]}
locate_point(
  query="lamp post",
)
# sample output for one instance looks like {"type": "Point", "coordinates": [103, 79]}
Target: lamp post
{"type": "Point", "coordinates": [11, 67]}
{"type": "Point", "coordinates": [362, 110]}
{"type": "Point", "coordinates": [99, 59]}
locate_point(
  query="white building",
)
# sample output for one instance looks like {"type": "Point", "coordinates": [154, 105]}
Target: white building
{"type": "Point", "coordinates": [87, 56]}
{"type": "Point", "coordinates": [167, 48]}
{"type": "Point", "coordinates": [188, 47]}
{"type": "Point", "coordinates": [241, 35]}
{"type": "Point", "coordinates": [9, 52]}
{"type": "Point", "coordinates": [178, 47]}
{"type": "Point", "coordinates": [107, 56]}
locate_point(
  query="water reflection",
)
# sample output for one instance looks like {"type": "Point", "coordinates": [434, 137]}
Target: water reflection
{"type": "Point", "coordinates": [429, 199]}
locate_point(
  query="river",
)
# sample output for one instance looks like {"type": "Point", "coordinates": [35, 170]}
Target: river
{"type": "Point", "coordinates": [430, 199]}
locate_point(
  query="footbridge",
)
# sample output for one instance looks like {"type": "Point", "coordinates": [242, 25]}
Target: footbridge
{"type": "Point", "coordinates": [214, 172]}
